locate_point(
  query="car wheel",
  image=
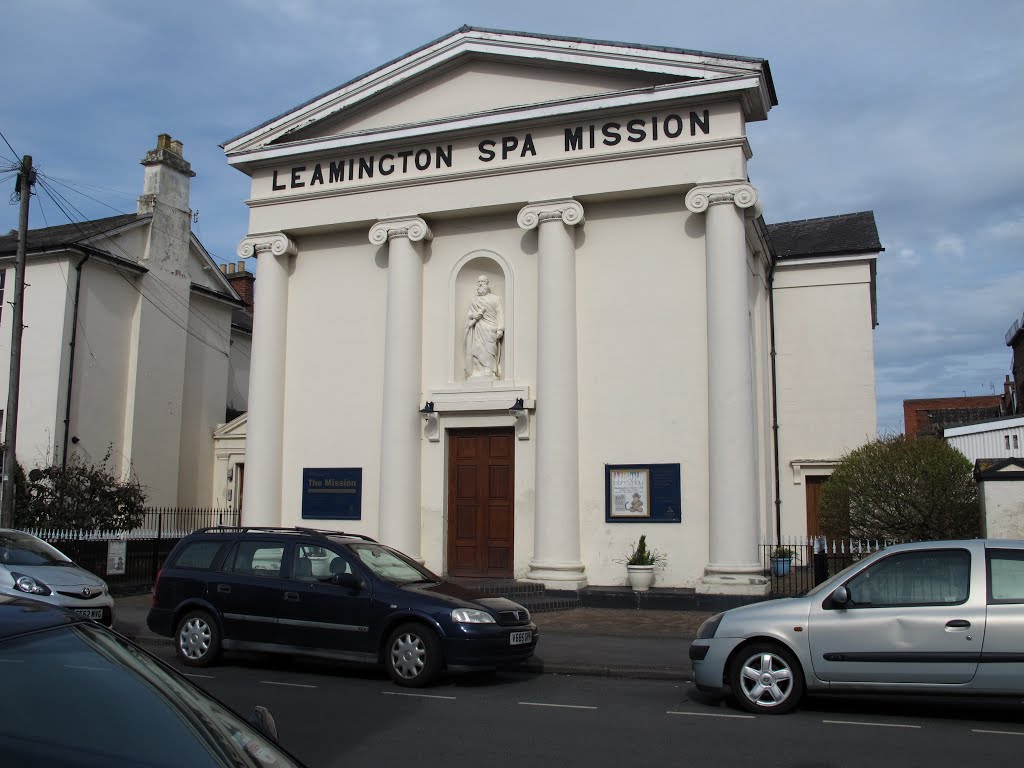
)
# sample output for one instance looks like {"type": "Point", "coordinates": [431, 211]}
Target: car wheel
{"type": "Point", "coordinates": [197, 639]}
{"type": "Point", "coordinates": [413, 655]}
{"type": "Point", "coordinates": [766, 678]}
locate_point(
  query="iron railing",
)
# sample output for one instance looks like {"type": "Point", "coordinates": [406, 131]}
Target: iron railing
{"type": "Point", "coordinates": [811, 561]}
{"type": "Point", "coordinates": [145, 547]}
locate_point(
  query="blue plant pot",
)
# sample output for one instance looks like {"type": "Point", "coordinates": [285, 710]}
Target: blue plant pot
{"type": "Point", "coordinates": [781, 565]}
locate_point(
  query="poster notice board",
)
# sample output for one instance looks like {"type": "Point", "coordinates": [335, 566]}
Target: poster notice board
{"type": "Point", "coordinates": [643, 493]}
{"type": "Point", "coordinates": [332, 494]}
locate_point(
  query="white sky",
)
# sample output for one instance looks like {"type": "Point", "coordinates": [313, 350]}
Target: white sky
{"type": "Point", "coordinates": [911, 108]}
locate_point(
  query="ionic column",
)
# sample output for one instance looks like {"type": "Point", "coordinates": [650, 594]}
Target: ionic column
{"type": "Point", "coordinates": [264, 437]}
{"type": "Point", "coordinates": [399, 516]}
{"type": "Point", "coordinates": [734, 567]}
{"type": "Point", "coordinates": [556, 552]}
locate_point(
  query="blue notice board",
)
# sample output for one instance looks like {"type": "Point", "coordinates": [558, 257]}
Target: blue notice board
{"type": "Point", "coordinates": [643, 493]}
{"type": "Point", "coordinates": [332, 494]}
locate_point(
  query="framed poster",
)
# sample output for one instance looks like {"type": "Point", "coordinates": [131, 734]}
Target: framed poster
{"type": "Point", "coordinates": [629, 491]}
{"type": "Point", "coordinates": [643, 493]}
{"type": "Point", "coordinates": [332, 494]}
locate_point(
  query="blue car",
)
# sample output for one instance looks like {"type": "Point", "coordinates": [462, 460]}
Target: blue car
{"type": "Point", "coordinates": [332, 595]}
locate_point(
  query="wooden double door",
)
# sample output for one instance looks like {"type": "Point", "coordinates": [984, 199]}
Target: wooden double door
{"type": "Point", "coordinates": [481, 474]}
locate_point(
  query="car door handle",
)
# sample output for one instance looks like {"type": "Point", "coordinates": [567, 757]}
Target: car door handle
{"type": "Point", "coordinates": [224, 588]}
{"type": "Point", "coordinates": [958, 624]}
{"type": "Point", "coordinates": [293, 596]}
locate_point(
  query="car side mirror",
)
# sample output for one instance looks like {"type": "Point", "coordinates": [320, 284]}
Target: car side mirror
{"type": "Point", "coordinates": [349, 580]}
{"type": "Point", "coordinates": [263, 721]}
{"type": "Point", "coordinates": [840, 596]}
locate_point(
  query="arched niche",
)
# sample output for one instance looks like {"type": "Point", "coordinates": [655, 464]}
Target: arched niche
{"type": "Point", "coordinates": [462, 290]}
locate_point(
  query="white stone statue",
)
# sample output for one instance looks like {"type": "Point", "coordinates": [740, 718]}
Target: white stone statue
{"type": "Point", "coordinates": [485, 329]}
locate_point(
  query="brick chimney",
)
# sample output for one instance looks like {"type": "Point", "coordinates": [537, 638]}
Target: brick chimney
{"type": "Point", "coordinates": [242, 281]}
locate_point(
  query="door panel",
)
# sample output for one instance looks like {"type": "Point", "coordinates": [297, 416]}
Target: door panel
{"type": "Point", "coordinates": [481, 518]}
{"type": "Point", "coordinates": [915, 617]}
{"type": "Point", "coordinates": [320, 615]}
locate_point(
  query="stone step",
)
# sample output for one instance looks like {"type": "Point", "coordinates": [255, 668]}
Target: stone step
{"type": "Point", "coordinates": [529, 594]}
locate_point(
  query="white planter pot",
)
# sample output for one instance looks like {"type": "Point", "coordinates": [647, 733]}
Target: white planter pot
{"type": "Point", "coordinates": [640, 577]}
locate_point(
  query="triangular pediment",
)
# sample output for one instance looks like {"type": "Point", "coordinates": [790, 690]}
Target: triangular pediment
{"type": "Point", "coordinates": [475, 77]}
{"type": "Point", "coordinates": [477, 86]}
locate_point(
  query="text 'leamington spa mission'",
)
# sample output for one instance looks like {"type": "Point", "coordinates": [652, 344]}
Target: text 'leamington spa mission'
{"type": "Point", "coordinates": [635, 131]}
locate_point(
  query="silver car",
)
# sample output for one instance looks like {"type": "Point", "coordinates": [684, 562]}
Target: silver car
{"type": "Point", "coordinates": [29, 567]}
{"type": "Point", "coordinates": [930, 617]}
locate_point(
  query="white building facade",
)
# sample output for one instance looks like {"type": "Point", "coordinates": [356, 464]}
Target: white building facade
{"type": "Point", "coordinates": [127, 343]}
{"type": "Point", "coordinates": [588, 204]}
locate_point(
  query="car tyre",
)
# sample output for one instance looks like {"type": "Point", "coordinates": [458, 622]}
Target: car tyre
{"type": "Point", "coordinates": [197, 639]}
{"type": "Point", "coordinates": [766, 678]}
{"type": "Point", "coordinates": [413, 655]}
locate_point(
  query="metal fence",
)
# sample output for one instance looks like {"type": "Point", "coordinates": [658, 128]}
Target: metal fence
{"type": "Point", "coordinates": [129, 560]}
{"type": "Point", "coordinates": [811, 560]}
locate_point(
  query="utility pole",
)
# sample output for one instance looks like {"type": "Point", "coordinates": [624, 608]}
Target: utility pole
{"type": "Point", "coordinates": [26, 178]}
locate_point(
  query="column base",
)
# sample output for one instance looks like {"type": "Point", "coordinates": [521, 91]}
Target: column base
{"type": "Point", "coordinates": [733, 580]}
{"type": "Point", "coordinates": [558, 575]}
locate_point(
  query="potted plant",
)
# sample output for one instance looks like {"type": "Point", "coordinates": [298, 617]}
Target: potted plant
{"type": "Point", "coordinates": [782, 560]}
{"type": "Point", "coordinates": [640, 564]}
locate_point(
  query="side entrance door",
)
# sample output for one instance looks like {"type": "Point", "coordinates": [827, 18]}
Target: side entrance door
{"type": "Point", "coordinates": [481, 471]}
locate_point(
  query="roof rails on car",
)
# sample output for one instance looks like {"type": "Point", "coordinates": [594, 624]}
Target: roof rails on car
{"type": "Point", "coordinates": [324, 533]}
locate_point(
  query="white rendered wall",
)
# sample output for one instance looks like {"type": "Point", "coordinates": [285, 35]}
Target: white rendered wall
{"type": "Point", "coordinates": [642, 329]}
{"type": "Point", "coordinates": [204, 401]}
{"type": "Point", "coordinates": [238, 370]}
{"type": "Point", "coordinates": [45, 308]}
{"type": "Point", "coordinates": [1002, 509]}
{"type": "Point", "coordinates": [825, 369]}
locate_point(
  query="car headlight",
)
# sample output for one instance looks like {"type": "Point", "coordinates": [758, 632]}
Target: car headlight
{"type": "Point", "coordinates": [471, 616]}
{"type": "Point", "coordinates": [708, 628]}
{"type": "Point", "coordinates": [29, 585]}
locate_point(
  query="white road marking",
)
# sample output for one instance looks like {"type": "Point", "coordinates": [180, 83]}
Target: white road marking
{"type": "Point", "coordinates": [710, 714]}
{"type": "Point", "coordinates": [287, 685]}
{"type": "Point", "coordinates": [559, 706]}
{"type": "Point", "coordinates": [417, 695]}
{"type": "Point", "coordinates": [204, 677]}
{"type": "Point", "coordinates": [999, 733]}
{"type": "Point", "coordinates": [877, 725]}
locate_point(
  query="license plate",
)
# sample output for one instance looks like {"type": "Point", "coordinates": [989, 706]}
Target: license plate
{"type": "Point", "coordinates": [90, 613]}
{"type": "Point", "coordinates": [520, 638]}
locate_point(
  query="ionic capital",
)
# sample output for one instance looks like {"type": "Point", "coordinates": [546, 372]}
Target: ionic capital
{"type": "Point", "coordinates": [275, 243]}
{"type": "Point", "coordinates": [740, 194]}
{"type": "Point", "coordinates": [567, 209]}
{"type": "Point", "coordinates": [412, 227]}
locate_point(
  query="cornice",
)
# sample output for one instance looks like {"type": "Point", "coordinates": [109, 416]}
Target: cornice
{"type": "Point", "coordinates": [714, 90]}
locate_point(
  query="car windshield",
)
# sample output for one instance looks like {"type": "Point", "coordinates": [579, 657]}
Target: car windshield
{"type": "Point", "coordinates": [79, 695]}
{"type": "Point", "coordinates": [17, 548]}
{"type": "Point", "coordinates": [830, 583]}
{"type": "Point", "coordinates": [391, 565]}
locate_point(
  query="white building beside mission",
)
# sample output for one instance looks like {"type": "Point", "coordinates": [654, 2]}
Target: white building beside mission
{"type": "Point", "coordinates": [682, 369]}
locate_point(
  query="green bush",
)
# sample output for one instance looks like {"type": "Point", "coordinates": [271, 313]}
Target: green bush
{"type": "Point", "coordinates": [80, 497]}
{"type": "Point", "coordinates": [902, 489]}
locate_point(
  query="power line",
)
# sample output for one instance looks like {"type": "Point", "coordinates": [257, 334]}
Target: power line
{"type": "Point", "coordinates": [190, 309]}
{"type": "Point", "coordinates": [165, 310]}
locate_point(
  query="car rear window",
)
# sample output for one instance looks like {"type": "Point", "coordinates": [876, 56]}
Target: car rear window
{"type": "Point", "coordinates": [198, 554]}
{"type": "Point", "coordinates": [1005, 576]}
{"type": "Point", "coordinates": [255, 558]}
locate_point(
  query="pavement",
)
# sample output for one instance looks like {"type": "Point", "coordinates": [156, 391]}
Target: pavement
{"type": "Point", "coordinates": [606, 642]}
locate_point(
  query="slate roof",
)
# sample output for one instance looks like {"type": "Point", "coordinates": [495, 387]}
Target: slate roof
{"type": "Point", "coordinates": [829, 236]}
{"type": "Point", "coordinates": [65, 234]}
